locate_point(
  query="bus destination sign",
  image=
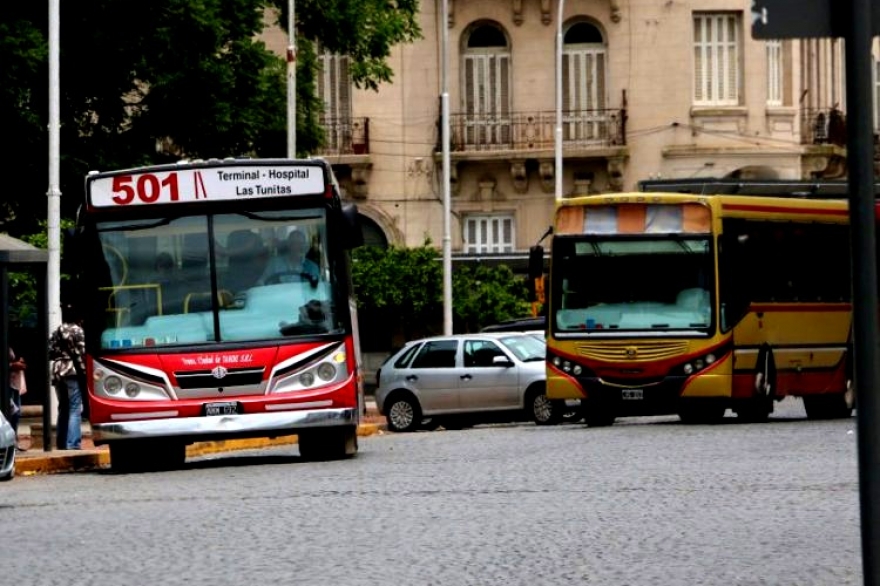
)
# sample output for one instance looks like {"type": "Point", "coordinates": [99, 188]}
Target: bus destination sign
{"type": "Point", "coordinates": [195, 184]}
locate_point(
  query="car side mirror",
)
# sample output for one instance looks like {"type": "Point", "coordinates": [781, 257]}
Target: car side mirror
{"type": "Point", "coordinates": [501, 361]}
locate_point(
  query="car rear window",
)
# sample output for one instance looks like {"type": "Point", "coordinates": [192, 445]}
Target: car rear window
{"type": "Point", "coordinates": [406, 357]}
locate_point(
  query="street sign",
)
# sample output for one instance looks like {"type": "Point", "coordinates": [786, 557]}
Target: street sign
{"type": "Point", "coordinates": [792, 19]}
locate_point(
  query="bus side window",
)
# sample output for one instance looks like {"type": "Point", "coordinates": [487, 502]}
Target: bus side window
{"type": "Point", "coordinates": [734, 277]}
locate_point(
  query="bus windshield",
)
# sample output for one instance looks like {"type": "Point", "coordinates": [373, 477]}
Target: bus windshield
{"type": "Point", "coordinates": [232, 277]}
{"type": "Point", "coordinates": [632, 284]}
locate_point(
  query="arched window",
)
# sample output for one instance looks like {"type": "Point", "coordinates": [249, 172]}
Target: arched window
{"type": "Point", "coordinates": [486, 87]}
{"type": "Point", "coordinates": [373, 234]}
{"type": "Point", "coordinates": [583, 81]}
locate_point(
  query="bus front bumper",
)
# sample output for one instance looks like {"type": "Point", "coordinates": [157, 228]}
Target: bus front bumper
{"type": "Point", "coordinates": [219, 427]}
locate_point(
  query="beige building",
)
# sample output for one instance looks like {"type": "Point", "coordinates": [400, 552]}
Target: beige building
{"type": "Point", "coordinates": [651, 89]}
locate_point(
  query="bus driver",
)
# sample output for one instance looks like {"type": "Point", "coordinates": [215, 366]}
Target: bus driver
{"type": "Point", "coordinates": [293, 264]}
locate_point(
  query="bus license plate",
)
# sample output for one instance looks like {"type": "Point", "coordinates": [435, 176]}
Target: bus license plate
{"type": "Point", "coordinates": [229, 408]}
{"type": "Point", "coordinates": [632, 394]}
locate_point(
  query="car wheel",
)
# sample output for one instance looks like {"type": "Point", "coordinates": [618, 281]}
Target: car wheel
{"type": "Point", "coordinates": [404, 413]}
{"type": "Point", "coordinates": [542, 410]}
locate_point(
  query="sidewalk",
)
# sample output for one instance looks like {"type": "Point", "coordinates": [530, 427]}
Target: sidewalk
{"type": "Point", "coordinates": [35, 460]}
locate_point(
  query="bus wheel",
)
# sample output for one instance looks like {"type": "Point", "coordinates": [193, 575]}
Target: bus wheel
{"type": "Point", "coordinates": [542, 410]}
{"type": "Point", "coordinates": [146, 455]}
{"type": "Point", "coordinates": [403, 413]}
{"type": "Point", "coordinates": [702, 413]}
{"type": "Point", "coordinates": [833, 406]}
{"type": "Point", "coordinates": [335, 443]}
{"type": "Point", "coordinates": [597, 415]}
{"type": "Point", "coordinates": [758, 408]}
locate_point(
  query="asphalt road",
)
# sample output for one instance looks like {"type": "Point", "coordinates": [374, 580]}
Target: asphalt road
{"type": "Point", "coordinates": [648, 501]}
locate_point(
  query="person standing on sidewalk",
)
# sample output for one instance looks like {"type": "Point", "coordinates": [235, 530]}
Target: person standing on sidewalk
{"type": "Point", "coordinates": [67, 348]}
{"type": "Point", "coordinates": [17, 388]}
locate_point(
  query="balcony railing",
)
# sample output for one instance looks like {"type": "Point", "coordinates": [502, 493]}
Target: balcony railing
{"type": "Point", "coordinates": [823, 126]}
{"type": "Point", "coordinates": [345, 136]}
{"type": "Point", "coordinates": [533, 131]}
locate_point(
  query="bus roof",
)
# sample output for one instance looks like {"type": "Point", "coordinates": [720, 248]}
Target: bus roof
{"type": "Point", "coordinates": [828, 189]}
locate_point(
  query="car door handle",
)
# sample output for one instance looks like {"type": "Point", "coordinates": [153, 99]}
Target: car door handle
{"type": "Point", "coordinates": [412, 378]}
{"type": "Point", "coordinates": [466, 377]}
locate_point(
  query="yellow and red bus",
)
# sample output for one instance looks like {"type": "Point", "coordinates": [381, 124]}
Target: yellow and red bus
{"type": "Point", "coordinates": [695, 297]}
{"type": "Point", "coordinates": [219, 305]}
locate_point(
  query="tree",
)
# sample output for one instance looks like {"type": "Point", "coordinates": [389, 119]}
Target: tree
{"type": "Point", "coordinates": [190, 76]}
{"type": "Point", "coordinates": [401, 289]}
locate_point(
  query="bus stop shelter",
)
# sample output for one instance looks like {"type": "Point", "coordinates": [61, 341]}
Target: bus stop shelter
{"type": "Point", "coordinates": [20, 257]}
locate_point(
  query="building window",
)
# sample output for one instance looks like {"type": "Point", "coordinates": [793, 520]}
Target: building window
{"type": "Point", "coordinates": [583, 81]}
{"type": "Point", "coordinates": [716, 59]}
{"type": "Point", "coordinates": [334, 89]}
{"type": "Point", "coordinates": [486, 88]}
{"type": "Point", "coordinates": [774, 73]}
{"type": "Point", "coordinates": [488, 233]}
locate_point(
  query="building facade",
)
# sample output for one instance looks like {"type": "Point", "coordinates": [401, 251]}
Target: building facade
{"type": "Point", "coordinates": [650, 89]}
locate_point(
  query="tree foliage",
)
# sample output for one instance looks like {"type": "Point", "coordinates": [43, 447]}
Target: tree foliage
{"type": "Point", "coordinates": [190, 75]}
{"type": "Point", "coordinates": [403, 288]}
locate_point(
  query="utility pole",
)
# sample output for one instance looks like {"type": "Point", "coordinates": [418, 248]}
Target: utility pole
{"type": "Point", "coordinates": [291, 80]}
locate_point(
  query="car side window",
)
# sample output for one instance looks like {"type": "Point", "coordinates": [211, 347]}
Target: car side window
{"type": "Point", "coordinates": [480, 353]}
{"type": "Point", "coordinates": [406, 357]}
{"type": "Point", "coordinates": [436, 354]}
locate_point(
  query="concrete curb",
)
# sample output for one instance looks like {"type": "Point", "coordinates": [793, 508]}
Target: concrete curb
{"type": "Point", "coordinates": [78, 461]}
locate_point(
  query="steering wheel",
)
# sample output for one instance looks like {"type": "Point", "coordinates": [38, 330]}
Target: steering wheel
{"type": "Point", "coordinates": [292, 276]}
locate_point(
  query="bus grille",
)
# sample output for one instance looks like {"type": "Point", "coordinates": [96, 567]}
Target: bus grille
{"type": "Point", "coordinates": [643, 351]}
{"type": "Point", "coordinates": [205, 379]}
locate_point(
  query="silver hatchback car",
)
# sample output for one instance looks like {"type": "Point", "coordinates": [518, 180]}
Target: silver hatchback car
{"type": "Point", "coordinates": [462, 379]}
{"type": "Point", "coordinates": [7, 449]}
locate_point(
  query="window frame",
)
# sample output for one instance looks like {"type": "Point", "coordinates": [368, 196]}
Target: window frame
{"type": "Point", "coordinates": [717, 66]}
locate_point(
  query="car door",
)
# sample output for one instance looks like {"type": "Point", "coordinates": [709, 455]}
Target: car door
{"type": "Point", "coordinates": [486, 385]}
{"type": "Point", "coordinates": [433, 374]}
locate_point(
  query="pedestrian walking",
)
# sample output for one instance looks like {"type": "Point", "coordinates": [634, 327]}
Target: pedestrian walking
{"type": "Point", "coordinates": [67, 350]}
{"type": "Point", "coordinates": [17, 388]}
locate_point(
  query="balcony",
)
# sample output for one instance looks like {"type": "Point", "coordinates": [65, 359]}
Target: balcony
{"type": "Point", "coordinates": [533, 133]}
{"type": "Point", "coordinates": [347, 148]}
{"type": "Point", "coordinates": [823, 126]}
{"type": "Point", "coordinates": [345, 136]}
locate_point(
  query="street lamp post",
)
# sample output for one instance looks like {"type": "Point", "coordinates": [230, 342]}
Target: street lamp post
{"type": "Point", "coordinates": [558, 133]}
{"type": "Point", "coordinates": [447, 237]}
{"type": "Point", "coordinates": [291, 81]}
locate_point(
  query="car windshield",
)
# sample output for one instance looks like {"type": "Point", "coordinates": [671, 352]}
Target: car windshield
{"type": "Point", "coordinates": [616, 283]}
{"type": "Point", "coordinates": [525, 347]}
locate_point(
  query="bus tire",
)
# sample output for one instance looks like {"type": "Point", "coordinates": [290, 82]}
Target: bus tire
{"type": "Point", "coordinates": [831, 406]}
{"type": "Point", "coordinates": [597, 415]}
{"type": "Point", "coordinates": [703, 413]}
{"type": "Point", "coordinates": [403, 412]}
{"type": "Point", "coordinates": [332, 443]}
{"type": "Point", "coordinates": [542, 410]}
{"type": "Point", "coordinates": [759, 407]}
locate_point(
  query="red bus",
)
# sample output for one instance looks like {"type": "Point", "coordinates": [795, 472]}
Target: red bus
{"type": "Point", "coordinates": [218, 304]}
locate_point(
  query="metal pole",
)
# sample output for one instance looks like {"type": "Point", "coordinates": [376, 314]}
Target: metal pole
{"type": "Point", "coordinates": [865, 313]}
{"type": "Point", "coordinates": [558, 133]}
{"type": "Point", "coordinates": [53, 268]}
{"type": "Point", "coordinates": [291, 81]}
{"type": "Point", "coordinates": [447, 236]}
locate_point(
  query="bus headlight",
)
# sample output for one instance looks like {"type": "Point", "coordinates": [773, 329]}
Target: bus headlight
{"type": "Point", "coordinates": [112, 384]}
{"type": "Point", "coordinates": [326, 371]}
{"type": "Point", "coordinates": [577, 370]}
{"type": "Point", "coordinates": [307, 379]}
{"type": "Point", "coordinates": [688, 368]}
{"type": "Point", "coordinates": [132, 390]}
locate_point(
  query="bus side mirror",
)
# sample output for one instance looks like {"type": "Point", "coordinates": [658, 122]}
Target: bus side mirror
{"type": "Point", "coordinates": [351, 227]}
{"type": "Point", "coordinates": [536, 262]}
